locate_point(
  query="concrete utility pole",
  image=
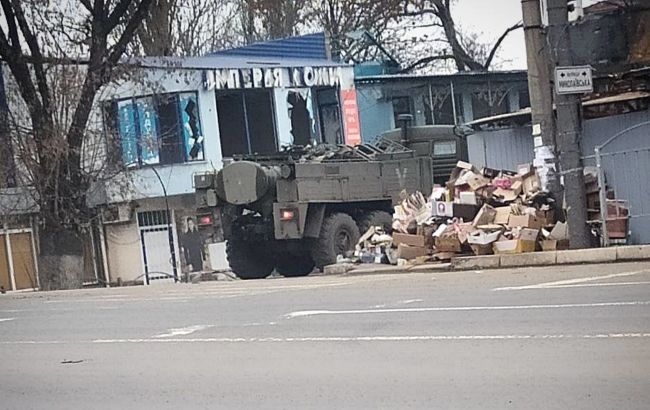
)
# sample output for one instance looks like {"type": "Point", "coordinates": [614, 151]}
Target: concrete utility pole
{"type": "Point", "coordinates": [541, 99]}
{"type": "Point", "coordinates": [569, 128]}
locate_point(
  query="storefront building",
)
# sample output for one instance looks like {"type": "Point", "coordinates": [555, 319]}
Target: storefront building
{"type": "Point", "coordinates": [173, 118]}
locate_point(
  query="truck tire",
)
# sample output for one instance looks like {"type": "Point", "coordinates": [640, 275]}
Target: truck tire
{"type": "Point", "coordinates": [249, 261]}
{"type": "Point", "coordinates": [292, 265]}
{"type": "Point", "coordinates": [338, 235]}
{"type": "Point", "coordinates": [376, 218]}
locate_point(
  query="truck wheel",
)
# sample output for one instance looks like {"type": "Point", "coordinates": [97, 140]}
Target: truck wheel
{"type": "Point", "coordinates": [376, 218]}
{"type": "Point", "coordinates": [292, 265]}
{"type": "Point", "coordinates": [249, 260]}
{"type": "Point", "coordinates": [338, 235]}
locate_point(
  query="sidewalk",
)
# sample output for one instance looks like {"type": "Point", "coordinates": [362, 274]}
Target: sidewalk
{"type": "Point", "coordinates": [570, 257]}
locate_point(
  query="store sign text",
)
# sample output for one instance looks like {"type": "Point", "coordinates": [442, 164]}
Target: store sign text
{"type": "Point", "coordinates": [236, 78]}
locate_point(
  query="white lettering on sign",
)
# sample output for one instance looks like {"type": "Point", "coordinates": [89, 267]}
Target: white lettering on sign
{"type": "Point", "coordinates": [272, 77]}
{"type": "Point", "coordinates": [573, 80]}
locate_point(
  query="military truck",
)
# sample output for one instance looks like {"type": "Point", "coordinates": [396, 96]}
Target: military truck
{"type": "Point", "coordinates": [300, 208]}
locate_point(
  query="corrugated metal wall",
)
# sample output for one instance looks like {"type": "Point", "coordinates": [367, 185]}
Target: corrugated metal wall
{"type": "Point", "coordinates": [501, 149]}
{"type": "Point", "coordinates": [627, 170]}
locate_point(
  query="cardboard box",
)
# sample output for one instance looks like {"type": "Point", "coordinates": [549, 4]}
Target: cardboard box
{"type": "Point", "coordinates": [507, 195]}
{"type": "Point", "coordinates": [467, 198]}
{"type": "Point", "coordinates": [440, 208]}
{"type": "Point", "coordinates": [527, 242]}
{"type": "Point", "coordinates": [482, 238]}
{"type": "Point", "coordinates": [490, 172]}
{"type": "Point", "coordinates": [408, 239]}
{"type": "Point", "coordinates": [411, 252]}
{"type": "Point", "coordinates": [525, 221]}
{"type": "Point", "coordinates": [467, 212]}
{"type": "Point", "coordinates": [555, 244]}
{"type": "Point", "coordinates": [477, 181]}
{"type": "Point", "coordinates": [482, 249]}
{"type": "Point", "coordinates": [513, 246]}
{"type": "Point", "coordinates": [448, 243]}
{"type": "Point", "coordinates": [485, 216]}
{"type": "Point", "coordinates": [548, 217]}
{"type": "Point", "coordinates": [525, 170]}
{"type": "Point", "coordinates": [532, 184]}
{"type": "Point", "coordinates": [502, 215]}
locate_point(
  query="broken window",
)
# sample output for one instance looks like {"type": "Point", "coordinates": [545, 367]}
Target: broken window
{"type": "Point", "coordinates": [442, 111]}
{"type": "Point", "coordinates": [301, 116]}
{"type": "Point", "coordinates": [160, 129]}
{"type": "Point", "coordinates": [488, 101]}
{"type": "Point", "coordinates": [246, 122]}
{"type": "Point", "coordinates": [329, 112]}
{"type": "Point", "coordinates": [401, 105]}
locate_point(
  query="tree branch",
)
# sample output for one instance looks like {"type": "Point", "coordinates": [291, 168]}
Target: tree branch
{"type": "Point", "coordinates": [35, 49]}
{"type": "Point", "coordinates": [127, 34]}
{"type": "Point", "coordinates": [426, 60]}
{"type": "Point", "coordinates": [498, 43]}
{"type": "Point", "coordinates": [118, 12]}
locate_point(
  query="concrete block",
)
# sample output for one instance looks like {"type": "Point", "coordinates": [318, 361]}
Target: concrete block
{"type": "Point", "coordinates": [377, 268]}
{"type": "Point", "coordinates": [631, 253]}
{"type": "Point", "coordinates": [430, 267]}
{"type": "Point", "coordinates": [529, 259]}
{"type": "Point", "coordinates": [338, 268]}
{"type": "Point", "coordinates": [596, 255]}
{"type": "Point", "coordinates": [476, 262]}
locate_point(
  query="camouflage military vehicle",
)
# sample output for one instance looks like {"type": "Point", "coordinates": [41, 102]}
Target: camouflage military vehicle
{"type": "Point", "coordinates": [301, 208]}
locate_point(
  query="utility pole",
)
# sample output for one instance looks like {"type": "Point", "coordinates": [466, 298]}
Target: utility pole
{"type": "Point", "coordinates": [540, 90]}
{"type": "Point", "coordinates": [569, 129]}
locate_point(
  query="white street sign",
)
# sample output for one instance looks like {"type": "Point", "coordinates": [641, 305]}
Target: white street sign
{"type": "Point", "coordinates": [573, 80]}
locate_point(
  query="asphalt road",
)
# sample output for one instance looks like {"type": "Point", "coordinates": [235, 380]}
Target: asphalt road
{"type": "Point", "coordinates": [546, 338]}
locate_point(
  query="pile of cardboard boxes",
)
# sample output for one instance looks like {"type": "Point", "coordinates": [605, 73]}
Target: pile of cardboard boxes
{"type": "Point", "coordinates": [478, 212]}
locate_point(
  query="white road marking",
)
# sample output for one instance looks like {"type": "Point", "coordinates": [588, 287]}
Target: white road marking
{"type": "Point", "coordinates": [7, 319]}
{"type": "Point", "coordinates": [408, 302]}
{"type": "Point", "coordinates": [396, 338]}
{"type": "Point", "coordinates": [305, 313]}
{"type": "Point", "coordinates": [183, 331]}
{"type": "Point", "coordinates": [590, 285]}
{"type": "Point", "coordinates": [570, 281]}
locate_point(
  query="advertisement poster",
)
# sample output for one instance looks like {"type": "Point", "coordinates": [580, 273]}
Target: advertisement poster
{"type": "Point", "coordinates": [128, 135]}
{"type": "Point", "coordinates": [192, 243]}
{"type": "Point", "coordinates": [148, 125]}
{"type": "Point", "coordinates": [351, 121]}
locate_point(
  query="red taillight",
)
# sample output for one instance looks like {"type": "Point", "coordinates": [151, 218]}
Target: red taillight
{"type": "Point", "coordinates": [287, 214]}
{"type": "Point", "coordinates": [205, 220]}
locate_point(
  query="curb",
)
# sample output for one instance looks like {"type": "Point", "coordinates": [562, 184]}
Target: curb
{"type": "Point", "coordinates": [554, 258]}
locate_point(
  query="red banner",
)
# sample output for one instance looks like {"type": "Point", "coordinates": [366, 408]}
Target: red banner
{"type": "Point", "coordinates": [351, 122]}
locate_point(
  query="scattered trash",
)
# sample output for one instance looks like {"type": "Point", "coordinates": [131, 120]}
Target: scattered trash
{"type": "Point", "coordinates": [72, 361]}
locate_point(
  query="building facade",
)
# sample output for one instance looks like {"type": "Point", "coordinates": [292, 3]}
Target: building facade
{"type": "Point", "coordinates": [451, 99]}
{"type": "Point", "coordinates": [173, 118]}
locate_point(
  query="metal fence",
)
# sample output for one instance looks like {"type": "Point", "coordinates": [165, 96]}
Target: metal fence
{"type": "Point", "coordinates": [625, 169]}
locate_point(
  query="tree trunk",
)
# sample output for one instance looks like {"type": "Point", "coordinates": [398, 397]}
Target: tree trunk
{"type": "Point", "coordinates": [60, 259]}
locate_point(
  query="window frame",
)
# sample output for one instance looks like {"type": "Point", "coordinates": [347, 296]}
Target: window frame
{"type": "Point", "coordinates": [111, 125]}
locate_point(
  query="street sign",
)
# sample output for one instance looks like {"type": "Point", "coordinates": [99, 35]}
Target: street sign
{"type": "Point", "coordinates": [573, 80]}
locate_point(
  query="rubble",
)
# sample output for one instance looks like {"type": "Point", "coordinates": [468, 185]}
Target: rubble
{"type": "Point", "coordinates": [478, 212]}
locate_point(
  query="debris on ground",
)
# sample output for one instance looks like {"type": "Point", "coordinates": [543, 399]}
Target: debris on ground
{"type": "Point", "coordinates": [478, 212]}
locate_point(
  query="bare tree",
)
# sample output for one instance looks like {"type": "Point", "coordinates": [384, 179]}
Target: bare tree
{"type": "Point", "coordinates": [466, 51]}
{"type": "Point", "coordinates": [34, 41]}
{"type": "Point", "coordinates": [188, 27]}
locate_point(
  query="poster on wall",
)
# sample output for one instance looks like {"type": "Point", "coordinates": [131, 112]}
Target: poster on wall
{"type": "Point", "coordinates": [148, 126]}
{"type": "Point", "coordinates": [192, 242]}
{"type": "Point", "coordinates": [128, 136]}
{"type": "Point", "coordinates": [351, 122]}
